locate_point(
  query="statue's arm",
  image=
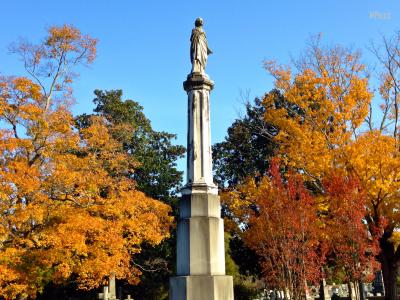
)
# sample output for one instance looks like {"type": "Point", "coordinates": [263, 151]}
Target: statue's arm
{"type": "Point", "coordinates": [208, 49]}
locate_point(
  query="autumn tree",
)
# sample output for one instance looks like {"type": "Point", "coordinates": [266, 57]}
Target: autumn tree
{"type": "Point", "coordinates": [386, 132]}
{"type": "Point", "coordinates": [388, 55]}
{"type": "Point", "coordinates": [68, 212]}
{"type": "Point", "coordinates": [322, 129]}
{"type": "Point", "coordinates": [279, 216]}
{"type": "Point", "coordinates": [351, 249]}
{"type": "Point", "coordinates": [50, 64]}
{"type": "Point", "coordinates": [155, 174]}
{"type": "Point", "coordinates": [374, 158]}
{"type": "Point", "coordinates": [282, 229]}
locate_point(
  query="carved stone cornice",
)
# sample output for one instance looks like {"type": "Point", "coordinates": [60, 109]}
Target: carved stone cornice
{"type": "Point", "coordinates": [198, 81]}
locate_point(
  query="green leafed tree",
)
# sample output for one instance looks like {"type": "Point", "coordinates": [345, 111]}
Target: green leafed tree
{"type": "Point", "coordinates": [247, 147]}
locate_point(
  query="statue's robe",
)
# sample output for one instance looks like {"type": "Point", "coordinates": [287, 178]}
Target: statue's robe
{"type": "Point", "coordinates": [198, 50]}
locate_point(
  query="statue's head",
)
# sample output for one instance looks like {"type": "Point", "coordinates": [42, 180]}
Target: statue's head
{"type": "Point", "coordinates": [198, 22]}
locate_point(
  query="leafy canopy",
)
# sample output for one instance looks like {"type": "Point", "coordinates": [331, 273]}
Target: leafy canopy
{"type": "Point", "coordinates": [68, 209]}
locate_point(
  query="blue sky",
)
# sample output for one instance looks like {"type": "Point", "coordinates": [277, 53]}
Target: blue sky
{"type": "Point", "coordinates": [144, 45]}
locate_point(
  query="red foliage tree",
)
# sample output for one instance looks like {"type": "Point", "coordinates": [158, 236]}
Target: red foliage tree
{"type": "Point", "coordinates": [352, 249]}
{"type": "Point", "coordinates": [284, 232]}
{"type": "Point", "coordinates": [298, 235]}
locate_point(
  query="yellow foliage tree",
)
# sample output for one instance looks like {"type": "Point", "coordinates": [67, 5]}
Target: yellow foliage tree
{"type": "Point", "coordinates": [325, 123]}
{"type": "Point", "coordinates": [68, 210]}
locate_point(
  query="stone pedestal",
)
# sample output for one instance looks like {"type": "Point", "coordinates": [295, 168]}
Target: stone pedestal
{"type": "Point", "coordinates": [200, 250]}
{"type": "Point", "coordinates": [200, 230]}
{"type": "Point", "coordinates": [200, 235]}
{"type": "Point", "coordinates": [201, 287]}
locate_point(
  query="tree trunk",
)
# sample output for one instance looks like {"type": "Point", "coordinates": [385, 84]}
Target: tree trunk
{"type": "Point", "coordinates": [352, 291]}
{"type": "Point", "coordinates": [389, 272]}
{"type": "Point", "coordinates": [389, 259]}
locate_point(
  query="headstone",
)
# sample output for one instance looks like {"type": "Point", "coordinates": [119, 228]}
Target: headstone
{"type": "Point", "coordinates": [200, 230]}
{"type": "Point", "coordinates": [272, 295]}
{"type": "Point", "coordinates": [104, 295]}
{"type": "Point", "coordinates": [109, 290]}
{"type": "Point", "coordinates": [362, 291]}
{"type": "Point", "coordinates": [111, 287]}
{"type": "Point", "coordinates": [378, 285]}
{"type": "Point", "coordinates": [324, 291]}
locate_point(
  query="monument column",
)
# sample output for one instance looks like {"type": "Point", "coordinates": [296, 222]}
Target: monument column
{"type": "Point", "coordinates": [199, 160]}
{"type": "Point", "coordinates": [200, 230]}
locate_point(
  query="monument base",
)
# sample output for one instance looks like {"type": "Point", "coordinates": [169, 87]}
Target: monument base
{"type": "Point", "coordinates": [201, 287]}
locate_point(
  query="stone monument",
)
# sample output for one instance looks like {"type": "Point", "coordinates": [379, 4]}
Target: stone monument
{"type": "Point", "coordinates": [109, 292]}
{"type": "Point", "coordinates": [200, 230]}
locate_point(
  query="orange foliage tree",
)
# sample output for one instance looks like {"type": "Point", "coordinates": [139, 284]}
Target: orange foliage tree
{"type": "Point", "coordinates": [325, 124]}
{"type": "Point", "coordinates": [68, 211]}
{"type": "Point", "coordinates": [50, 64]}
